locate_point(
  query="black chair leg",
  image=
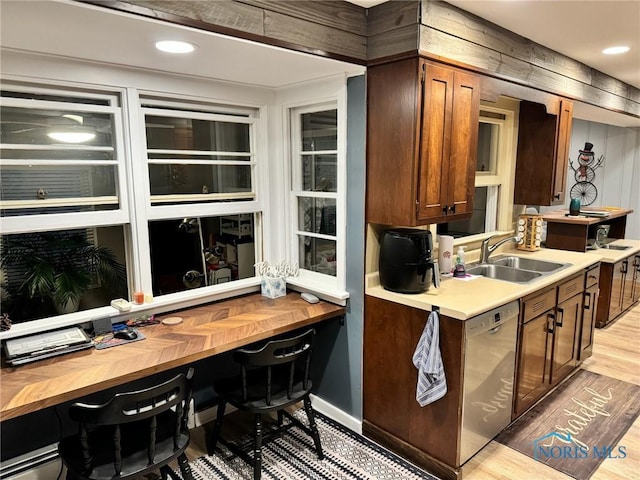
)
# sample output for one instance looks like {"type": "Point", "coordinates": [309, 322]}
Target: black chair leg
{"type": "Point", "coordinates": [280, 418]}
{"type": "Point", "coordinates": [185, 469]}
{"type": "Point", "coordinates": [215, 435]}
{"type": "Point", "coordinates": [313, 427]}
{"type": "Point", "coordinates": [257, 449]}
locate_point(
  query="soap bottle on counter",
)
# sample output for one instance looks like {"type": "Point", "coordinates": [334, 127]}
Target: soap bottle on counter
{"type": "Point", "coordinates": [459, 269]}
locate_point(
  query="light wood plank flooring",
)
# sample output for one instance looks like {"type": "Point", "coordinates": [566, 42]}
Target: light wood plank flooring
{"type": "Point", "coordinates": [616, 353]}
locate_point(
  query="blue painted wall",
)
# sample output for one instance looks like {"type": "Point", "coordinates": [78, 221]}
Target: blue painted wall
{"type": "Point", "coordinates": [338, 353]}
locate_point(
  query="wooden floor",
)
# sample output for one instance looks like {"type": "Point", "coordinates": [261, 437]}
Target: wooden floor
{"type": "Point", "coordinates": [616, 353]}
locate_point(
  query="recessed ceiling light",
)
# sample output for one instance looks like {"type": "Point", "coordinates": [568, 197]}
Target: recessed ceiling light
{"type": "Point", "coordinates": [175, 46]}
{"type": "Point", "coordinates": [615, 50]}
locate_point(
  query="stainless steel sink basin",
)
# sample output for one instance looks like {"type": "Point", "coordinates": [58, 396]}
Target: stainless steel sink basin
{"type": "Point", "coordinates": [500, 272]}
{"type": "Point", "coordinates": [527, 264]}
{"type": "Point", "coordinates": [615, 247]}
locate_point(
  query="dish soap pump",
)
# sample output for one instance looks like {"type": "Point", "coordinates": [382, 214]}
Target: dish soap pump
{"type": "Point", "coordinates": [459, 268]}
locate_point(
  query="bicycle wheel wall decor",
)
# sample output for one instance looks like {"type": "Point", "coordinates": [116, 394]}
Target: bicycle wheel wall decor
{"type": "Point", "coordinates": [585, 191]}
{"type": "Point", "coordinates": [585, 174]}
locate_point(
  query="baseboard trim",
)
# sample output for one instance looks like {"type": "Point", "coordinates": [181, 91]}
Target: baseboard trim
{"type": "Point", "coordinates": [334, 413]}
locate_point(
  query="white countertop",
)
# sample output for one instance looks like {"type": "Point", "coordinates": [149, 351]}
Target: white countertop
{"type": "Point", "coordinates": [613, 256]}
{"type": "Point", "coordinates": [463, 299]}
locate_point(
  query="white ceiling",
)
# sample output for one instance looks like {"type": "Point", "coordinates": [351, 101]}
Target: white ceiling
{"type": "Point", "coordinates": [579, 29]}
{"type": "Point", "coordinates": [76, 30]}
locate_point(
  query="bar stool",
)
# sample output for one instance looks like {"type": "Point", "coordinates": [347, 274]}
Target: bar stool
{"type": "Point", "coordinates": [132, 434]}
{"type": "Point", "coordinates": [271, 379]}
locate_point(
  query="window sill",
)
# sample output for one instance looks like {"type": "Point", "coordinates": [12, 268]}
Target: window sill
{"type": "Point", "coordinates": [319, 289]}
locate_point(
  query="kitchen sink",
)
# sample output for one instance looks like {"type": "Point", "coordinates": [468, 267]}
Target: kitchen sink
{"type": "Point", "coordinates": [615, 247]}
{"type": "Point", "coordinates": [527, 264]}
{"type": "Point", "coordinates": [500, 272]}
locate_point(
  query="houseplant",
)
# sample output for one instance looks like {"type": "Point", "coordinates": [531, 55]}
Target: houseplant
{"type": "Point", "coordinates": [60, 266]}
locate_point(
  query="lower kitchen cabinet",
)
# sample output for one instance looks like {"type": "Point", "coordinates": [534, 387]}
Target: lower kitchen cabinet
{"type": "Point", "coordinates": [534, 349]}
{"type": "Point", "coordinates": [547, 352]}
{"type": "Point", "coordinates": [428, 436]}
{"type": "Point", "coordinates": [584, 341]}
{"type": "Point", "coordinates": [619, 288]}
{"type": "Point", "coordinates": [566, 327]}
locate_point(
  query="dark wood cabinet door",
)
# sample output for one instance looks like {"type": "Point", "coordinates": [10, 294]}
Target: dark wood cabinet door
{"type": "Point", "coordinates": [464, 145]}
{"type": "Point", "coordinates": [589, 308]}
{"type": "Point", "coordinates": [628, 284]}
{"type": "Point", "coordinates": [534, 358]}
{"type": "Point", "coordinates": [563, 141]}
{"type": "Point", "coordinates": [543, 153]}
{"type": "Point", "coordinates": [564, 353]}
{"type": "Point", "coordinates": [617, 289]}
{"type": "Point", "coordinates": [635, 291]}
{"type": "Point", "coordinates": [435, 141]}
{"type": "Point", "coordinates": [448, 143]}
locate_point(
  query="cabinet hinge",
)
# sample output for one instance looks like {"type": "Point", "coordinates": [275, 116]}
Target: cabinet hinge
{"type": "Point", "coordinates": [423, 73]}
{"type": "Point", "coordinates": [417, 207]}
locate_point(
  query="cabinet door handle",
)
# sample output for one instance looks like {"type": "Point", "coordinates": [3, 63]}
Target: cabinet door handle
{"type": "Point", "coordinates": [452, 209]}
{"type": "Point", "coordinates": [587, 295]}
{"type": "Point", "coordinates": [551, 317]}
{"type": "Point", "coordinates": [560, 318]}
{"type": "Point", "coordinates": [557, 196]}
{"type": "Point", "coordinates": [444, 209]}
{"type": "Point", "coordinates": [625, 266]}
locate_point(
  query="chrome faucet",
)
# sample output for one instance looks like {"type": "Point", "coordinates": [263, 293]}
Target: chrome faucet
{"type": "Point", "coordinates": [486, 250]}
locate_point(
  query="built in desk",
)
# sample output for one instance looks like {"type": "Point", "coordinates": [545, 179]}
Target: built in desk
{"type": "Point", "coordinates": [206, 330]}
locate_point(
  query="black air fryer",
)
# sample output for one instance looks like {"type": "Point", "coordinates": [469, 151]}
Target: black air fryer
{"type": "Point", "coordinates": [405, 264]}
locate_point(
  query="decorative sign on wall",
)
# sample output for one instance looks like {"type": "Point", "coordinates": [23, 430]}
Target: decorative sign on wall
{"type": "Point", "coordinates": [584, 189]}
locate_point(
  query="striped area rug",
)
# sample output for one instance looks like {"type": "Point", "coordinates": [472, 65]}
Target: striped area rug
{"type": "Point", "coordinates": [347, 456]}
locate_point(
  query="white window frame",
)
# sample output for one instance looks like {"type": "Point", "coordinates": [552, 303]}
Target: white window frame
{"type": "Point", "coordinates": [326, 286]}
{"type": "Point", "coordinates": [135, 206]}
{"type": "Point", "coordinates": [499, 209]}
{"type": "Point", "coordinates": [70, 220]}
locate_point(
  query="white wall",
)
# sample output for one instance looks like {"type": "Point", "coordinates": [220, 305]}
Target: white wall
{"type": "Point", "coordinates": [618, 177]}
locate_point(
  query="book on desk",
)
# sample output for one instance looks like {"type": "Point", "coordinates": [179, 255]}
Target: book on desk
{"type": "Point", "coordinates": [19, 351]}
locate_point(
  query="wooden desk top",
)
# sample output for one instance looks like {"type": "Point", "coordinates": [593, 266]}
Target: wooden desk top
{"type": "Point", "coordinates": [559, 216]}
{"type": "Point", "coordinates": [206, 330]}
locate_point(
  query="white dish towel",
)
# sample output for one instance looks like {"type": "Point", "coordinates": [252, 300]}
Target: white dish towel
{"type": "Point", "coordinates": [432, 383]}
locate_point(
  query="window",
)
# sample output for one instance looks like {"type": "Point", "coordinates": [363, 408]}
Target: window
{"type": "Point", "coordinates": [314, 186]}
{"type": "Point", "coordinates": [68, 185]}
{"type": "Point", "coordinates": [202, 224]}
{"type": "Point", "coordinates": [63, 201]}
{"type": "Point", "coordinates": [492, 201]}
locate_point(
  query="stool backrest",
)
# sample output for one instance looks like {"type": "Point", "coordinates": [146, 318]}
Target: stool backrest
{"type": "Point", "coordinates": [293, 354]}
{"type": "Point", "coordinates": [123, 408]}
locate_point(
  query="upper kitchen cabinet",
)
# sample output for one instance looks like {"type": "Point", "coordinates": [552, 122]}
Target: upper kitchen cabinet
{"type": "Point", "coordinates": [422, 135]}
{"type": "Point", "coordinates": [543, 154]}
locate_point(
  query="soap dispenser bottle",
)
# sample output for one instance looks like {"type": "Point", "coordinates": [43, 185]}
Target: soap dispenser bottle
{"type": "Point", "coordinates": [459, 269]}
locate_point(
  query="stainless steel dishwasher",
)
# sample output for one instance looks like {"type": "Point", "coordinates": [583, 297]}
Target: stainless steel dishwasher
{"type": "Point", "coordinates": [489, 367]}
